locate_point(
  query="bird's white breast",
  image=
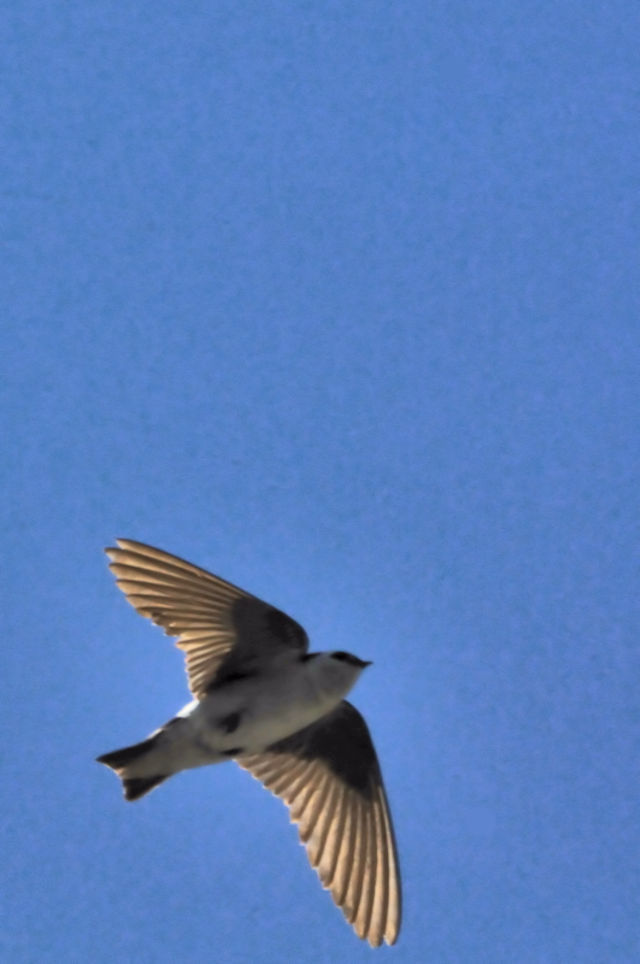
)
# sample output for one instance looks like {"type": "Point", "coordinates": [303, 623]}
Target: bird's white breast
{"type": "Point", "coordinates": [270, 707]}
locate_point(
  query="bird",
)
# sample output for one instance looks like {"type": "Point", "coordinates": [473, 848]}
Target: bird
{"type": "Point", "coordinates": [262, 699]}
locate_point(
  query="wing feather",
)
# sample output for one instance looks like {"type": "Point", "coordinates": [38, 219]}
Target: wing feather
{"type": "Point", "coordinates": [221, 629]}
{"type": "Point", "coordinates": [328, 776]}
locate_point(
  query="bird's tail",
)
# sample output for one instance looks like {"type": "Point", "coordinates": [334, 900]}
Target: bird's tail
{"type": "Point", "coordinates": [123, 762]}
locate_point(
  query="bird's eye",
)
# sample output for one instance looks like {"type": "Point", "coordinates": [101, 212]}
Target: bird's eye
{"type": "Point", "coordinates": [342, 656]}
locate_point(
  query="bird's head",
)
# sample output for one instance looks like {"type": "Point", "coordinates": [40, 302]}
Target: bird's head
{"type": "Point", "coordinates": [348, 659]}
{"type": "Point", "coordinates": [337, 671]}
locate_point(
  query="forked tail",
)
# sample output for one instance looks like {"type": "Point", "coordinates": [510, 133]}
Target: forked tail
{"type": "Point", "coordinates": [122, 761]}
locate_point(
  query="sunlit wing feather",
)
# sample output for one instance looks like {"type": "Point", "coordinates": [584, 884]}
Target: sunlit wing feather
{"type": "Point", "coordinates": [328, 776]}
{"type": "Point", "coordinates": [216, 624]}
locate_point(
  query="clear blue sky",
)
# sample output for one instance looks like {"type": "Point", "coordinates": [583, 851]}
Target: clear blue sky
{"type": "Point", "coordinates": [340, 301]}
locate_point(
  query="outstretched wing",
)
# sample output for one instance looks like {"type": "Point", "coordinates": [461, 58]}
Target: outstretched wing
{"type": "Point", "coordinates": [223, 630]}
{"type": "Point", "coordinates": [328, 775]}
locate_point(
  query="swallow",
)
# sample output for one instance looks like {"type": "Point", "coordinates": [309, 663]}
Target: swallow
{"type": "Point", "coordinates": [262, 699]}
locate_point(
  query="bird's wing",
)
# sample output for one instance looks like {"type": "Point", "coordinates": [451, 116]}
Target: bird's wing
{"type": "Point", "coordinates": [328, 775]}
{"type": "Point", "coordinates": [224, 631]}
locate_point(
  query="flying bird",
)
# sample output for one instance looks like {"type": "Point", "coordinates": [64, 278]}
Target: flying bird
{"type": "Point", "coordinates": [263, 700]}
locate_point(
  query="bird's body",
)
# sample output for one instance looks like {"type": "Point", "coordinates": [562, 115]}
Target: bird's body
{"type": "Point", "coordinates": [262, 699]}
{"type": "Point", "coordinates": [245, 715]}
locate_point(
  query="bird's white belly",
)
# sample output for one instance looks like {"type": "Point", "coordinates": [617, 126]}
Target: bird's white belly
{"type": "Point", "coordinates": [267, 710]}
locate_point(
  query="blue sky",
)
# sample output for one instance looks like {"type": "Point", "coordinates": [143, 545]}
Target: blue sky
{"type": "Point", "coordinates": [339, 301]}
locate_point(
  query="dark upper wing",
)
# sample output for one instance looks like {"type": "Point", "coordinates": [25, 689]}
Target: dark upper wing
{"type": "Point", "coordinates": [328, 775]}
{"type": "Point", "coordinates": [222, 629]}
